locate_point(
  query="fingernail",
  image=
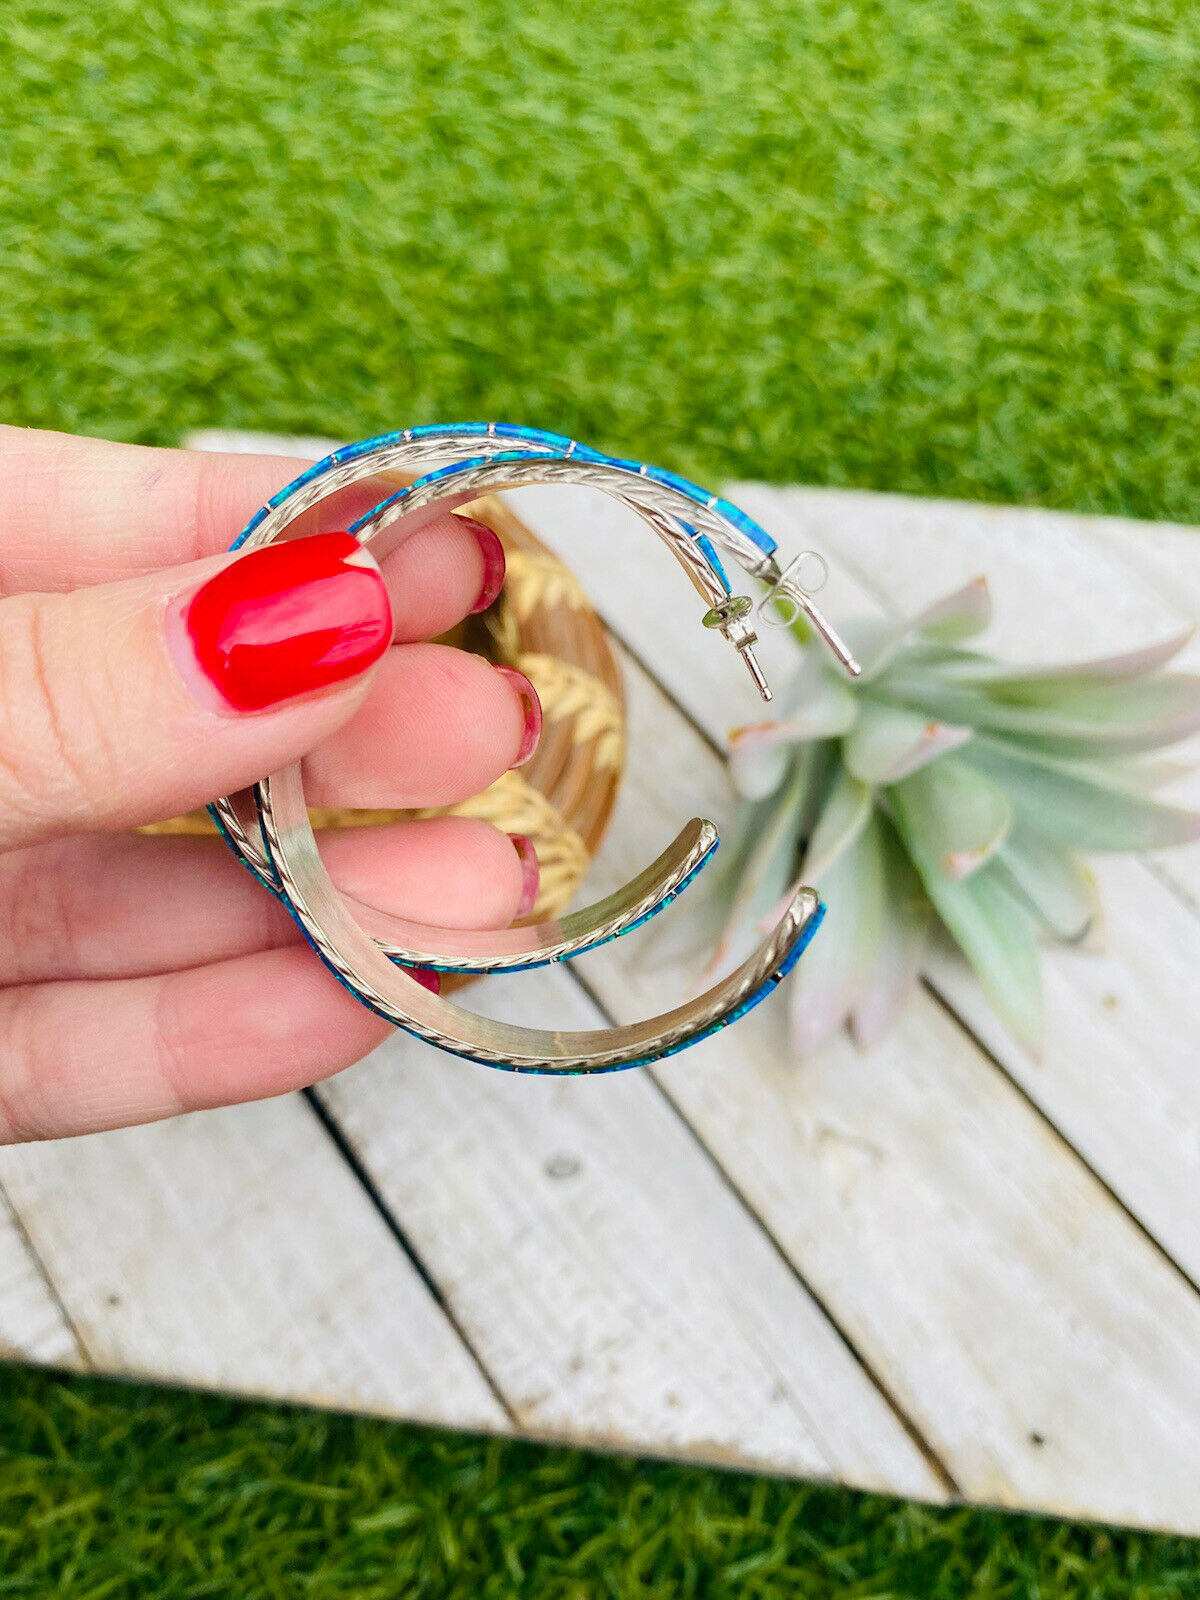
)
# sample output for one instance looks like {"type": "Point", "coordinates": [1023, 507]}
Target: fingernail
{"type": "Point", "coordinates": [427, 978]}
{"type": "Point", "coordinates": [283, 621]}
{"type": "Point", "coordinates": [531, 873]}
{"type": "Point", "coordinates": [492, 551]}
{"type": "Point", "coordinates": [532, 707]}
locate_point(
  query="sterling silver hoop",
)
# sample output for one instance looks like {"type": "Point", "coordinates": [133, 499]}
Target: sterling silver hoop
{"type": "Point", "coordinates": [269, 828]}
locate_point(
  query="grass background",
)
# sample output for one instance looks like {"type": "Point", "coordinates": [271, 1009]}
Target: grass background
{"type": "Point", "coordinates": [950, 247]}
{"type": "Point", "coordinates": [112, 1493]}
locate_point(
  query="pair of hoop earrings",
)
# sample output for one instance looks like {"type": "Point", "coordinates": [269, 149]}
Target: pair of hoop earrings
{"type": "Point", "coordinates": [269, 829]}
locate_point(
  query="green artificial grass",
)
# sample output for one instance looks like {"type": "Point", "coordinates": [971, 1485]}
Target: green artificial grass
{"type": "Point", "coordinates": [949, 247]}
{"type": "Point", "coordinates": [139, 1494]}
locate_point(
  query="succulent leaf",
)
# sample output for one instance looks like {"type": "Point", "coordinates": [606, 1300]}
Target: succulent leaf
{"type": "Point", "coordinates": [815, 705]}
{"type": "Point", "coordinates": [836, 968]}
{"type": "Point", "coordinates": [687, 934]}
{"type": "Point", "coordinates": [888, 742]}
{"type": "Point", "coordinates": [715, 916]}
{"type": "Point", "coordinates": [876, 641]}
{"type": "Point", "coordinates": [1019, 682]}
{"type": "Point", "coordinates": [759, 759]}
{"type": "Point", "coordinates": [816, 699]}
{"type": "Point", "coordinates": [1058, 888]}
{"type": "Point", "coordinates": [1146, 774]}
{"type": "Point", "coordinates": [844, 813]}
{"type": "Point", "coordinates": [904, 934]}
{"type": "Point", "coordinates": [1065, 719]}
{"type": "Point", "coordinates": [763, 871]}
{"type": "Point", "coordinates": [1077, 803]}
{"type": "Point", "coordinates": [958, 814]}
{"type": "Point", "coordinates": [958, 615]}
{"type": "Point", "coordinates": [991, 925]}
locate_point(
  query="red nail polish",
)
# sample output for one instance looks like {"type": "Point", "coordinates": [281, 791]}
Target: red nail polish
{"type": "Point", "coordinates": [287, 620]}
{"type": "Point", "coordinates": [532, 708]}
{"type": "Point", "coordinates": [427, 978]}
{"type": "Point", "coordinates": [492, 551]}
{"type": "Point", "coordinates": [531, 872]}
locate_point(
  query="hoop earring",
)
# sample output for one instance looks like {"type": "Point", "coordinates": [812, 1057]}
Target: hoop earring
{"type": "Point", "coordinates": [366, 950]}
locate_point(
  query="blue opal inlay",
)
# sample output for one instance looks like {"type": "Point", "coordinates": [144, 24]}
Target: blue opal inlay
{"type": "Point", "coordinates": [714, 559]}
{"type": "Point", "coordinates": [538, 445]}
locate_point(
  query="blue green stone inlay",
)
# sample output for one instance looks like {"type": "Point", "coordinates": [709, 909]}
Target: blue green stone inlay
{"type": "Point", "coordinates": [531, 445]}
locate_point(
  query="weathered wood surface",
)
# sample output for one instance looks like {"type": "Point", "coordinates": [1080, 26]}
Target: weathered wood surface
{"type": "Point", "coordinates": [33, 1325]}
{"type": "Point", "coordinates": [236, 1249]}
{"type": "Point", "coordinates": [981, 1271]}
{"type": "Point", "coordinates": [612, 1284]}
{"type": "Point", "coordinates": [936, 1267]}
{"type": "Point", "coordinates": [1120, 1073]}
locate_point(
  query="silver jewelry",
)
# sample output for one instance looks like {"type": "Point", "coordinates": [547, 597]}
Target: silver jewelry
{"type": "Point", "coordinates": [367, 950]}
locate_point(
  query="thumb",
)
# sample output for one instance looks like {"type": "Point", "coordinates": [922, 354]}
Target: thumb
{"type": "Point", "coordinates": [132, 701]}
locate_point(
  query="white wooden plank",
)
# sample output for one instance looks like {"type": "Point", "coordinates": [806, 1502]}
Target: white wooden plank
{"type": "Point", "coordinates": [1057, 586]}
{"type": "Point", "coordinates": [978, 1267]}
{"type": "Point", "coordinates": [1118, 1072]}
{"type": "Point", "coordinates": [32, 1324]}
{"type": "Point", "coordinates": [244, 441]}
{"type": "Point", "coordinates": [609, 1314]}
{"type": "Point", "coordinates": [987, 1278]}
{"type": "Point", "coordinates": [614, 1287]}
{"type": "Point", "coordinates": [235, 1250]}
{"type": "Point", "coordinates": [1164, 554]}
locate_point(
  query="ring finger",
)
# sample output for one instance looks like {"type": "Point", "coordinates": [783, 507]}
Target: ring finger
{"type": "Point", "coordinates": [122, 905]}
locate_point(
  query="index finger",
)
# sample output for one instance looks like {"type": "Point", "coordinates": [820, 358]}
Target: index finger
{"type": "Point", "coordinates": [82, 511]}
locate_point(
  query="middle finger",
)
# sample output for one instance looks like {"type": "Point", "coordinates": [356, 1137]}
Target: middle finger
{"type": "Point", "coordinates": [439, 726]}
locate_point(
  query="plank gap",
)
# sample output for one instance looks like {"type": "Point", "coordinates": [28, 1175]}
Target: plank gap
{"type": "Point", "coordinates": [354, 1162]}
{"type": "Point", "coordinates": [1161, 872]}
{"type": "Point", "coordinates": [989, 1055]}
{"type": "Point", "coordinates": [684, 712]}
{"type": "Point", "coordinates": [932, 1459]}
{"type": "Point", "coordinates": [43, 1272]}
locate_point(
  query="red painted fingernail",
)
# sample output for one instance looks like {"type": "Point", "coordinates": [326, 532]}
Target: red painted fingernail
{"type": "Point", "coordinates": [492, 551]}
{"type": "Point", "coordinates": [532, 707]}
{"type": "Point", "coordinates": [427, 978]}
{"type": "Point", "coordinates": [531, 873]}
{"type": "Point", "coordinates": [283, 621]}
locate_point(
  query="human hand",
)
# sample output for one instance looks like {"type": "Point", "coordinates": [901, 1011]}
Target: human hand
{"type": "Point", "coordinates": [142, 673]}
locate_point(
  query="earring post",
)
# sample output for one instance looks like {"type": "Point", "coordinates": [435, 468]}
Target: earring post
{"type": "Point", "coordinates": [781, 584]}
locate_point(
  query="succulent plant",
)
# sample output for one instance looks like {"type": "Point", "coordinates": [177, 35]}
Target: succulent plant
{"type": "Point", "coordinates": [943, 786]}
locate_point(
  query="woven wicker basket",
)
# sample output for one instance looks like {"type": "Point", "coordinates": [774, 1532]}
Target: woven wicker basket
{"type": "Point", "coordinates": [563, 797]}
